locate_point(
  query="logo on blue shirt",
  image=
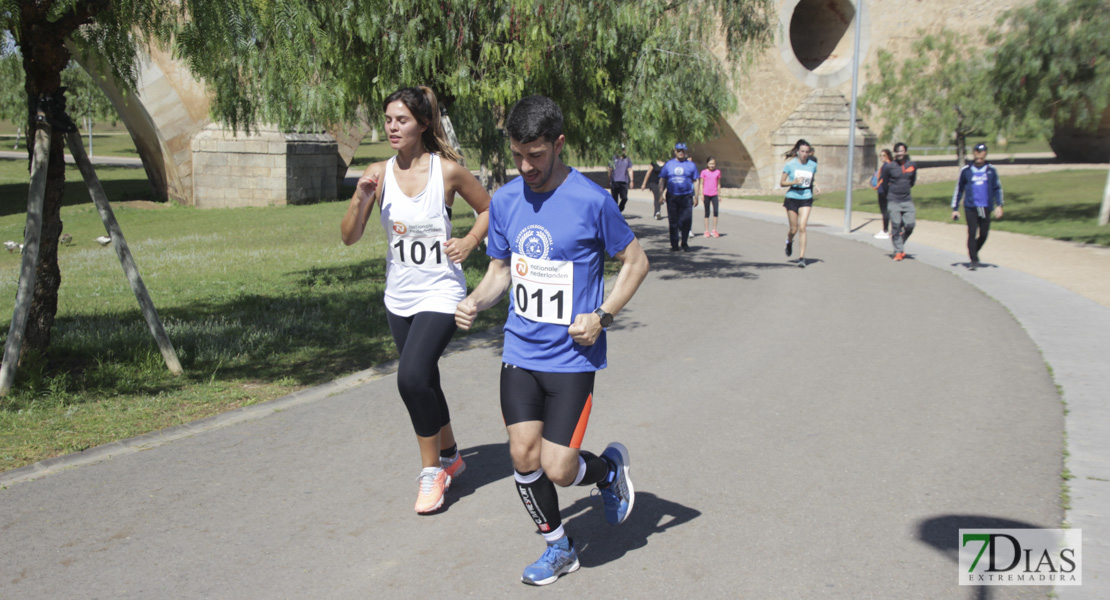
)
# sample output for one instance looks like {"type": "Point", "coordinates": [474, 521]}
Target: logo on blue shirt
{"type": "Point", "coordinates": [534, 241]}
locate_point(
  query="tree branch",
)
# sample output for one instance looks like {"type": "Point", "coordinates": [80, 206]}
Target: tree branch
{"type": "Point", "coordinates": [83, 12]}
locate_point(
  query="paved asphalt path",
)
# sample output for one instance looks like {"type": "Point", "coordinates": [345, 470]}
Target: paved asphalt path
{"type": "Point", "coordinates": [816, 433]}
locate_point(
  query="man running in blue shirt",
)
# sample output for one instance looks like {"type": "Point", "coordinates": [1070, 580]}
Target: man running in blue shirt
{"type": "Point", "coordinates": [680, 178]}
{"type": "Point", "coordinates": [549, 231]}
{"type": "Point", "coordinates": [979, 181]}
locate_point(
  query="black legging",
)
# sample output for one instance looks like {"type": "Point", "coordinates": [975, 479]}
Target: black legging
{"type": "Point", "coordinates": [680, 215]}
{"type": "Point", "coordinates": [978, 226]}
{"type": "Point", "coordinates": [714, 200]}
{"type": "Point", "coordinates": [886, 213]}
{"type": "Point", "coordinates": [619, 191]}
{"type": "Point", "coordinates": [420, 341]}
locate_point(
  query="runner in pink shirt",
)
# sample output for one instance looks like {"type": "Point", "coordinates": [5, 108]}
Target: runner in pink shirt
{"type": "Point", "coordinates": [710, 178]}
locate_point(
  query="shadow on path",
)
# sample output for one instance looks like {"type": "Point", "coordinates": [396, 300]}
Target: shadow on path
{"type": "Point", "coordinates": [943, 533]}
{"type": "Point", "coordinates": [485, 464]}
{"type": "Point", "coordinates": [599, 543]}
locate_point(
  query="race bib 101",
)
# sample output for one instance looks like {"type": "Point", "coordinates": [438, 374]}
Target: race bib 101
{"type": "Point", "coordinates": [543, 290]}
{"type": "Point", "coordinates": [419, 244]}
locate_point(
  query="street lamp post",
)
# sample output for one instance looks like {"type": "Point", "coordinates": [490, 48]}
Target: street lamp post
{"type": "Point", "coordinates": [852, 121]}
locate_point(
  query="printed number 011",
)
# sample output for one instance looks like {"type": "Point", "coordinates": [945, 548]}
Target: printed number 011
{"type": "Point", "coordinates": [522, 296]}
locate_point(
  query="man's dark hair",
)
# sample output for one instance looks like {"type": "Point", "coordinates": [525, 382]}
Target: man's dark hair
{"type": "Point", "coordinates": [534, 117]}
{"type": "Point", "coordinates": [899, 144]}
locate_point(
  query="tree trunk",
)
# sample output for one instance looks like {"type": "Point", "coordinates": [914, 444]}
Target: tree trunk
{"type": "Point", "coordinates": [44, 58]}
{"type": "Point", "coordinates": [961, 148]}
{"type": "Point", "coordinates": [449, 129]}
{"type": "Point", "coordinates": [48, 277]}
{"type": "Point", "coordinates": [497, 173]}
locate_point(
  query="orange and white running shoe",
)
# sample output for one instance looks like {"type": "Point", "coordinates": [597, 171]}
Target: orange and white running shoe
{"type": "Point", "coordinates": [433, 481]}
{"type": "Point", "coordinates": [453, 467]}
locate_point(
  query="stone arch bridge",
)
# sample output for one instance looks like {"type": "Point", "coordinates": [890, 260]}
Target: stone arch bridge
{"type": "Point", "coordinates": [798, 88]}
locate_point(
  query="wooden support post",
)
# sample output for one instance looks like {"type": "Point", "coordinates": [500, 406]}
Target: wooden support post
{"type": "Point", "coordinates": [1104, 208]}
{"type": "Point", "coordinates": [73, 140]}
{"type": "Point", "coordinates": [32, 234]}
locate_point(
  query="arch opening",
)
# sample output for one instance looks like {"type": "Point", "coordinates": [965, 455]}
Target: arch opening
{"type": "Point", "coordinates": [819, 34]}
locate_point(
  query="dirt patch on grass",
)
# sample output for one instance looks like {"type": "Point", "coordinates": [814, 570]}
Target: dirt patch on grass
{"type": "Point", "coordinates": [140, 204]}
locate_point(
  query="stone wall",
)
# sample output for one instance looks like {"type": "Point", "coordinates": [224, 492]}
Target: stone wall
{"type": "Point", "coordinates": [813, 50]}
{"type": "Point", "coordinates": [265, 168]}
{"type": "Point", "coordinates": [822, 120]}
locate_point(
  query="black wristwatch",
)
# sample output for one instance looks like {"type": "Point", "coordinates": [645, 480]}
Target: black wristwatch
{"type": "Point", "coordinates": [606, 318]}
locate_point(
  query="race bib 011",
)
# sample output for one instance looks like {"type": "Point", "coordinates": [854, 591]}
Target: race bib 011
{"type": "Point", "coordinates": [543, 290]}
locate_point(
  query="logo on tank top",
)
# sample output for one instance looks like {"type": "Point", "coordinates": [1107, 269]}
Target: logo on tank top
{"type": "Point", "coordinates": [399, 228]}
{"type": "Point", "coordinates": [534, 242]}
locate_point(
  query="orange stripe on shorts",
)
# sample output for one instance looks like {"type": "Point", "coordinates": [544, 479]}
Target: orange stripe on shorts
{"type": "Point", "coordinates": [583, 420]}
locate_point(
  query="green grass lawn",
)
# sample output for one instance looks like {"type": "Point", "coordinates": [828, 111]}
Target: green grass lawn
{"type": "Point", "coordinates": [1013, 147]}
{"type": "Point", "coordinates": [107, 140]}
{"type": "Point", "coordinates": [1062, 205]}
{"type": "Point", "coordinates": [258, 302]}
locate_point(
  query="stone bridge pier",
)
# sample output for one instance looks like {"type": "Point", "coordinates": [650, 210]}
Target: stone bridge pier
{"type": "Point", "coordinates": [192, 161]}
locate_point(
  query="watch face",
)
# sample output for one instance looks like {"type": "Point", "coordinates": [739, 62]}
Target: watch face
{"type": "Point", "coordinates": [606, 318]}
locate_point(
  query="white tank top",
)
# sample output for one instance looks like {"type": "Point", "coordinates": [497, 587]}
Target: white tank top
{"type": "Point", "coordinates": [418, 275]}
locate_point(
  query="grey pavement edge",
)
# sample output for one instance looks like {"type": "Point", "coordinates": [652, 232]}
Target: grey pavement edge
{"type": "Point", "coordinates": [1070, 333]}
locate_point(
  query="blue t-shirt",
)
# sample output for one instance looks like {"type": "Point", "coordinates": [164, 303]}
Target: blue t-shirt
{"type": "Point", "coordinates": [979, 193]}
{"type": "Point", "coordinates": [795, 168]}
{"type": "Point", "coordinates": [680, 176]}
{"type": "Point", "coordinates": [620, 166]}
{"type": "Point", "coordinates": [557, 235]}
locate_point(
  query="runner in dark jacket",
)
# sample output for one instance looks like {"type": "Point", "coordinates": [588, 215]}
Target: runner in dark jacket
{"type": "Point", "coordinates": [896, 180]}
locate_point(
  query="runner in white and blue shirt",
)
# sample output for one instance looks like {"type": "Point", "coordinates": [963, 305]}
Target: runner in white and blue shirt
{"type": "Point", "coordinates": [550, 230]}
{"type": "Point", "coordinates": [981, 191]}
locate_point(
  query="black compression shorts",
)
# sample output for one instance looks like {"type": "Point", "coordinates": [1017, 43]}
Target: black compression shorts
{"type": "Point", "coordinates": [562, 401]}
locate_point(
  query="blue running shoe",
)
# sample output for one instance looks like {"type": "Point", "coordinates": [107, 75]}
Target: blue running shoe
{"type": "Point", "coordinates": [559, 559]}
{"type": "Point", "coordinates": [618, 496]}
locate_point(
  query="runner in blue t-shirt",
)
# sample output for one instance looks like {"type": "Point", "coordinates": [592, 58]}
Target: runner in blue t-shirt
{"type": "Point", "coordinates": [549, 232]}
{"type": "Point", "coordinates": [798, 173]}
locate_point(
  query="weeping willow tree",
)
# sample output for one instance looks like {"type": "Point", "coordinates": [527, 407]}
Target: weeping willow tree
{"type": "Point", "coordinates": [647, 72]}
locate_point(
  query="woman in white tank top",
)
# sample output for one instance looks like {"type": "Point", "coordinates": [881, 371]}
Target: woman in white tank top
{"type": "Point", "coordinates": [424, 277]}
